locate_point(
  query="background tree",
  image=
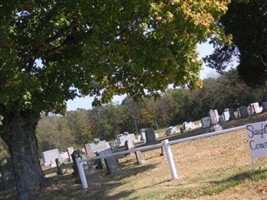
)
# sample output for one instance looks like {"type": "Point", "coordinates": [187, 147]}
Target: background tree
{"type": "Point", "coordinates": [54, 132]}
{"type": "Point", "coordinates": [52, 51]}
{"type": "Point", "coordinates": [246, 21]}
{"type": "Point", "coordinates": [106, 121]}
{"type": "Point", "coordinates": [80, 126]}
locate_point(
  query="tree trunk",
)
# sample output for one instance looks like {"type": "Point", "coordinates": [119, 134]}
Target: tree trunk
{"type": "Point", "coordinates": [19, 134]}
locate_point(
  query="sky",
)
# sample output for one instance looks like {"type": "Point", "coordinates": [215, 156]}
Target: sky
{"type": "Point", "coordinates": [85, 102]}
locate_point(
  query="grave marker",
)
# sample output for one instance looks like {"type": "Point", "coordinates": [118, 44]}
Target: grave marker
{"type": "Point", "coordinates": [111, 162]}
{"type": "Point", "coordinates": [243, 111]}
{"type": "Point", "coordinates": [50, 156]}
{"type": "Point", "coordinates": [150, 135]}
{"type": "Point", "coordinates": [264, 106]}
{"type": "Point", "coordinates": [214, 118]}
{"type": "Point", "coordinates": [205, 121]}
{"type": "Point", "coordinates": [70, 151]}
{"type": "Point", "coordinates": [98, 145]}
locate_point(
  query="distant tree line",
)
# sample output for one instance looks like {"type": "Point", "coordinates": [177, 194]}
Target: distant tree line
{"type": "Point", "coordinates": [174, 107]}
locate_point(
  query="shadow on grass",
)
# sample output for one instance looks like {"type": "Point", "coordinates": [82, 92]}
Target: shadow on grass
{"type": "Point", "coordinates": [108, 183]}
{"type": "Point", "coordinates": [215, 187]}
{"type": "Point", "coordinates": [100, 186]}
{"type": "Point", "coordinates": [219, 186]}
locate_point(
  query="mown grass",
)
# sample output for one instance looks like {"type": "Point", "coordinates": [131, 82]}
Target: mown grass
{"type": "Point", "coordinates": [217, 187]}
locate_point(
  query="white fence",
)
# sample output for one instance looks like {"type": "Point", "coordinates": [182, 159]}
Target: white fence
{"type": "Point", "coordinates": [166, 146]}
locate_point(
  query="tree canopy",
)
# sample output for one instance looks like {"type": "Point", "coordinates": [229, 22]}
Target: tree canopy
{"type": "Point", "coordinates": [52, 51]}
{"type": "Point", "coordinates": [246, 21]}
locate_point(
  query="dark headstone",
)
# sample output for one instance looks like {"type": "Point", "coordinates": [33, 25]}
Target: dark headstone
{"type": "Point", "coordinates": [74, 155]}
{"type": "Point", "coordinates": [111, 162]}
{"type": "Point", "coordinates": [150, 135]}
{"type": "Point", "coordinates": [60, 167]}
{"type": "Point", "coordinates": [232, 114]}
{"type": "Point", "coordinates": [264, 106]}
{"type": "Point", "coordinates": [243, 111]}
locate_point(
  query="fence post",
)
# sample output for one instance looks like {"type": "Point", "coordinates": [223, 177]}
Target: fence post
{"type": "Point", "coordinates": [168, 152]}
{"type": "Point", "coordinates": [81, 172]}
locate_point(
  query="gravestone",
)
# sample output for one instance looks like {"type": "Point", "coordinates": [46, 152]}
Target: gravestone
{"type": "Point", "coordinates": [138, 138]}
{"type": "Point", "coordinates": [226, 115]}
{"type": "Point", "coordinates": [215, 127]}
{"type": "Point", "coordinates": [171, 130]}
{"type": "Point", "coordinates": [221, 119]}
{"type": "Point", "coordinates": [264, 106]}
{"type": "Point", "coordinates": [250, 110]}
{"type": "Point", "coordinates": [121, 139]}
{"type": "Point", "coordinates": [98, 145]}
{"type": "Point", "coordinates": [232, 113]}
{"type": "Point", "coordinates": [188, 126]}
{"type": "Point", "coordinates": [129, 144]}
{"type": "Point", "coordinates": [238, 114]}
{"type": "Point", "coordinates": [64, 156]}
{"type": "Point", "coordinates": [214, 118]}
{"type": "Point", "coordinates": [243, 111]}
{"type": "Point", "coordinates": [139, 157]}
{"type": "Point", "coordinates": [70, 151]}
{"type": "Point", "coordinates": [88, 150]}
{"type": "Point", "coordinates": [255, 107]}
{"type": "Point", "coordinates": [50, 156]}
{"type": "Point", "coordinates": [60, 166]}
{"type": "Point", "coordinates": [111, 163]}
{"type": "Point", "coordinates": [74, 155]}
{"type": "Point", "coordinates": [143, 135]}
{"type": "Point", "coordinates": [150, 135]}
{"type": "Point", "coordinates": [216, 115]}
{"type": "Point", "coordinates": [205, 121]}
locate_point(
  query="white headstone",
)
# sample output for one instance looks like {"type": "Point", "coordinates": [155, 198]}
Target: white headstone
{"type": "Point", "coordinates": [143, 135]}
{"type": "Point", "coordinates": [99, 146]}
{"type": "Point", "coordinates": [171, 130]}
{"type": "Point", "coordinates": [70, 151]}
{"type": "Point", "coordinates": [256, 107]}
{"type": "Point", "coordinates": [64, 156]}
{"type": "Point", "coordinates": [226, 115]}
{"type": "Point", "coordinates": [250, 110]}
{"type": "Point", "coordinates": [216, 115]}
{"type": "Point", "coordinates": [50, 156]}
{"type": "Point", "coordinates": [121, 139]}
{"type": "Point", "coordinates": [138, 138]}
{"type": "Point", "coordinates": [214, 118]}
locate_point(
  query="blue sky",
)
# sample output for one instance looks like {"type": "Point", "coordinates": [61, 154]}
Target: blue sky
{"type": "Point", "coordinates": [85, 103]}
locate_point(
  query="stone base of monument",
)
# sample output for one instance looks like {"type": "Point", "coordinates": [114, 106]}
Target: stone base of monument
{"type": "Point", "coordinates": [216, 127]}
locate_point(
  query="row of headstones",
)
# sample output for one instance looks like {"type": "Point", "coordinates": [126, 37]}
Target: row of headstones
{"type": "Point", "coordinates": [50, 156]}
{"type": "Point", "coordinates": [147, 136]}
{"type": "Point", "coordinates": [97, 147]}
{"type": "Point", "coordinates": [229, 114]}
{"type": "Point", "coordinates": [128, 141]}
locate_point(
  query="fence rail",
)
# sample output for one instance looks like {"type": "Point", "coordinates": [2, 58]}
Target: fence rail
{"type": "Point", "coordinates": [166, 146]}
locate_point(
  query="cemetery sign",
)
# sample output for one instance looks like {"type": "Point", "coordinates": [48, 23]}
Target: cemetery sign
{"type": "Point", "coordinates": [257, 138]}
